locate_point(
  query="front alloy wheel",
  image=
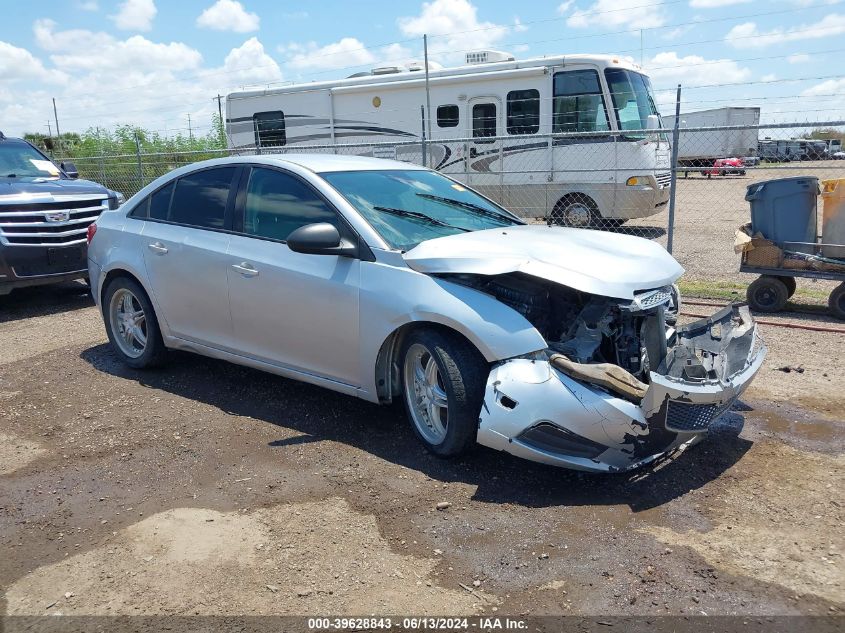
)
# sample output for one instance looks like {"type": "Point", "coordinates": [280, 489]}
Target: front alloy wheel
{"type": "Point", "coordinates": [443, 378]}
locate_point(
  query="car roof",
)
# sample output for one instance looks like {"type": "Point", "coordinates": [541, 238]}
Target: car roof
{"type": "Point", "coordinates": [322, 163]}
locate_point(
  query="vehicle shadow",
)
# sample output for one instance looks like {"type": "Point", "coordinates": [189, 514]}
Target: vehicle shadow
{"type": "Point", "coordinates": [24, 303]}
{"type": "Point", "coordinates": [648, 232]}
{"type": "Point", "coordinates": [320, 415]}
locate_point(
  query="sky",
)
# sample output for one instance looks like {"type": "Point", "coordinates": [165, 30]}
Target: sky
{"type": "Point", "coordinates": [154, 63]}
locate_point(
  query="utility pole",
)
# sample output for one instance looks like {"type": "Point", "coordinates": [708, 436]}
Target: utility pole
{"type": "Point", "coordinates": [190, 132]}
{"type": "Point", "coordinates": [56, 116]}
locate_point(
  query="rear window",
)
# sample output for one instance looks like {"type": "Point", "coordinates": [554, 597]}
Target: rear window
{"type": "Point", "coordinates": [160, 202]}
{"type": "Point", "coordinates": [200, 198]}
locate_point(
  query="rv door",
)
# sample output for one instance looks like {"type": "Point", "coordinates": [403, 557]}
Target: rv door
{"type": "Point", "coordinates": [484, 155]}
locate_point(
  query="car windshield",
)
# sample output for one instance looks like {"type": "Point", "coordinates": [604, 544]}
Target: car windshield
{"type": "Point", "coordinates": [19, 160]}
{"type": "Point", "coordinates": [407, 207]}
{"type": "Point", "coordinates": [633, 99]}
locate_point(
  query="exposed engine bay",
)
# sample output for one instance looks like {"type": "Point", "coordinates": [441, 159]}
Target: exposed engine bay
{"type": "Point", "coordinates": [585, 328]}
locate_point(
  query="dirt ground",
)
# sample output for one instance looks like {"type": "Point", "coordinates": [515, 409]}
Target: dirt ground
{"type": "Point", "coordinates": [207, 488]}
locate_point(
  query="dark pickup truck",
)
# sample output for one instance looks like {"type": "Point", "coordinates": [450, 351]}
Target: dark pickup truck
{"type": "Point", "coordinates": [45, 211]}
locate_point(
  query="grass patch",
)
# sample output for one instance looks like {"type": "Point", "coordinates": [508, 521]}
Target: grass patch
{"type": "Point", "coordinates": [733, 290]}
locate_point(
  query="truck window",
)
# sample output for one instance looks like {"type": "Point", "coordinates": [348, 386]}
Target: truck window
{"type": "Point", "coordinates": [483, 121]}
{"type": "Point", "coordinates": [578, 103]}
{"type": "Point", "coordinates": [523, 112]}
{"type": "Point", "coordinates": [447, 116]}
{"type": "Point", "coordinates": [269, 128]}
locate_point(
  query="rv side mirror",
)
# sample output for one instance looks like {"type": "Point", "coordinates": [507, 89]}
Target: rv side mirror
{"type": "Point", "coordinates": [653, 123]}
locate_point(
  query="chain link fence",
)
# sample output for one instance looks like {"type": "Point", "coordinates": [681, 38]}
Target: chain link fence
{"type": "Point", "coordinates": [613, 181]}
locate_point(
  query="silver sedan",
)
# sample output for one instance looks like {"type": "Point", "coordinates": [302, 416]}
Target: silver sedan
{"type": "Point", "coordinates": [383, 280]}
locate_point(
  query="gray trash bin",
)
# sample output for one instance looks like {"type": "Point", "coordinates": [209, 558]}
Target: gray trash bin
{"type": "Point", "coordinates": [784, 209]}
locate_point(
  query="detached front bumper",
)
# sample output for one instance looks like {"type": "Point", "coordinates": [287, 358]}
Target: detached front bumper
{"type": "Point", "coordinates": [533, 410]}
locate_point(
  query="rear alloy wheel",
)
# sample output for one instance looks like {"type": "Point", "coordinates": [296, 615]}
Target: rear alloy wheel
{"type": "Point", "coordinates": [443, 379]}
{"type": "Point", "coordinates": [767, 294]}
{"type": "Point", "coordinates": [131, 324]}
{"type": "Point", "coordinates": [576, 210]}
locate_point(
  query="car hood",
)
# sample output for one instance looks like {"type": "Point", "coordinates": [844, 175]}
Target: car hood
{"type": "Point", "coordinates": [598, 262]}
{"type": "Point", "coordinates": [48, 186]}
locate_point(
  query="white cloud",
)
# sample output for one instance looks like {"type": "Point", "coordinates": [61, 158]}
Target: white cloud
{"type": "Point", "coordinates": [747, 35]}
{"type": "Point", "coordinates": [769, 77]}
{"type": "Point", "coordinates": [459, 18]}
{"type": "Point", "coordinates": [564, 6]}
{"type": "Point", "coordinates": [676, 32]}
{"type": "Point", "coordinates": [248, 64]}
{"type": "Point", "coordinates": [521, 48]}
{"type": "Point", "coordinates": [135, 15]}
{"type": "Point", "coordinates": [87, 5]}
{"type": "Point", "coordinates": [669, 68]}
{"type": "Point", "coordinates": [798, 58]}
{"type": "Point", "coordinates": [18, 63]}
{"type": "Point", "coordinates": [634, 14]}
{"type": "Point", "coordinates": [829, 87]}
{"type": "Point", "coordinates": [347, 51]}
{"type": "Point", "coordinates": [715, 4]}
{"type": "Point", "coordinates": [228, 15]}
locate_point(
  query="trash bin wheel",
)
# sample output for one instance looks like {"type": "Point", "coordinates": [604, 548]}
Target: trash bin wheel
{"type": "Point", "coordinates": [767, 294]}
{"type": "Point", "coordinates": [836, 302]}
{"type": "Point", "coordinates": [790, 284]}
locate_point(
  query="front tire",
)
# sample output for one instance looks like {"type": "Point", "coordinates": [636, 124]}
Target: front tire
{"type": "Point", "coordinates": [443, 382]}
{"type": "Point", "coordinates": [577, 210]}
{"type": "Point", "coordinates": [767, 294]}
{"type": "Point", "coordinates": [131, 324]}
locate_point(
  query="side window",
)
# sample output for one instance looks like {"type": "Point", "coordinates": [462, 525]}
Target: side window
{"type": "Point", "coordinates": [160, 202]}
{"type": "Point", "coordinates": [447, 116]}
{"type": "Point", "coordinates": [483, 121]}
{"type": "Point", "coordinates": [277, 204]}
{"type": "Point", "coordinates": [142, 210]}
{"type": "Point", "coordinates": [269, 128]}
{"type": "Point", "coordinates": [200, 198]}
{"type": "Point", "coordinates": [523, 112]}
{"type": "Point", "coordinates": [578, 102]}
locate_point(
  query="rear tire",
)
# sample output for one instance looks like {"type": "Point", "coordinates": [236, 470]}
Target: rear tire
{"type": "Point", "coordinates": [131, 324]}
{"type": "Point", "coordinates": [767, 294]}
{"type": "Point", "coordinates": [790, 284]}
{"type": "Point", "coordinates": [443, 378]}
{"type": "Point", "coordinates": [836, 302]}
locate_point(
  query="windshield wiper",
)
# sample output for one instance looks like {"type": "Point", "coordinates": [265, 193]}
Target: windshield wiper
{"type": "Point", "coordinates": [422, 217]}
{"type": "Point", "coordinates": [467, 206]}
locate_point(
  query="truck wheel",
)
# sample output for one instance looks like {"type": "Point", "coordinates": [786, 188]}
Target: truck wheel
{"type": "Point", "coordinates": [576, 209]}
{"type": "Point", "coordinates": [767, 294]}
{"type": "Point", "coordinates": [790, 284]}
{"type": "Point", "coordinates": [443, 378]}
{"type": "Point", "coordinates": [836, 302]}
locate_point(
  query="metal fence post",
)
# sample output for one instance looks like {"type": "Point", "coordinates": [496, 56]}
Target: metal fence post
{"type": "Point", "coordinates": [422, 119]}
{"type": "Point", "coordinates": [140, 165]}
{"type": "Point", "coordinates": [676, 133]}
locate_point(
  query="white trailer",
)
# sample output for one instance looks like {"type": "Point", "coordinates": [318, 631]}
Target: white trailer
{"type": "Point", "coordinates": [702, 149]}
{"type": "Point", "coordinates": [500, 125]}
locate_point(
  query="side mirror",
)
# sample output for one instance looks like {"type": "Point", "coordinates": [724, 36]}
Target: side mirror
{"type": "Point", "coordinates": [320, 239]}
{"type": "Point", "coordinates": [653, 123]}
{"type": "Point", "coordinates": [70, 170]}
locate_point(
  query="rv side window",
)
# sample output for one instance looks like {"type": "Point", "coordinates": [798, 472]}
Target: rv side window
{"type": "Point", "coordinates": [447, 116]}
{"type": "Point", "coordinates": [483, 121]}
{"type": "Point", "coordinates": [523, 112]}
{"type": "Point", "coordinates": [269, 128]}
{"type": "Point", "coordinates": [578, 102]}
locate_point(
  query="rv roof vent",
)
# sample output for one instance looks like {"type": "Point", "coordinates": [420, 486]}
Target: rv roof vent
{"type": "Point", "coordinates": [416, 66]}
{"type": "Point", "coordinates": [387, 70]}
{"type": "Point", "coordinates": [488, 57]}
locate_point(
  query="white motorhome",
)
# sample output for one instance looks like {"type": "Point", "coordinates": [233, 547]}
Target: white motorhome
{"type": "Point", "coordinates": [558, 137]}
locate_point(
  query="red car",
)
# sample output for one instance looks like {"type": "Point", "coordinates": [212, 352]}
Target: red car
{"type": "Point", "coordinates": [725, 166]}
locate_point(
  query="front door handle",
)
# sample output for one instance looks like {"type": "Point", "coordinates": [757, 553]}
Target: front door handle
{"type": "Point", "coordinates": [246, 269]}
{"type": "Point", "coordinates": [158, 247]}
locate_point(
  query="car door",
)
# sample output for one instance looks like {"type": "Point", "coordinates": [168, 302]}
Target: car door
{"type": "Point", "coordinates": [292, 309]}
{"type": "Point", "coordinates": [185, 253]}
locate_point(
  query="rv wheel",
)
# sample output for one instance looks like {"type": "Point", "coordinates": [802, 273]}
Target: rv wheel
{"type": "Point", "coordinates": [576, 210]}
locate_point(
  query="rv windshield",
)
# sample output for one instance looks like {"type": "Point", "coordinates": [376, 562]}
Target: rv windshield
{"type": "Point", "coordinates": [407, 207]}
{"type": "Point", "coordinates": [633, 99]}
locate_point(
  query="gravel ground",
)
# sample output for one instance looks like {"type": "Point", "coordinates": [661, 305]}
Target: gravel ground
{"type": "Point", "coordinates": [207, 488]}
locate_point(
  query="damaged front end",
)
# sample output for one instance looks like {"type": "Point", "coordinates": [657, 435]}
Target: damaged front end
{"type": "Point", "coordinates": [619, 385]}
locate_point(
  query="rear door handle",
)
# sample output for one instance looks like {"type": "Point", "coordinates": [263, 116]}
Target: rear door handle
{"type": "Point", "coordinates": [158, 247]}
{"type": "Point", "coordinates": [246, 269]}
